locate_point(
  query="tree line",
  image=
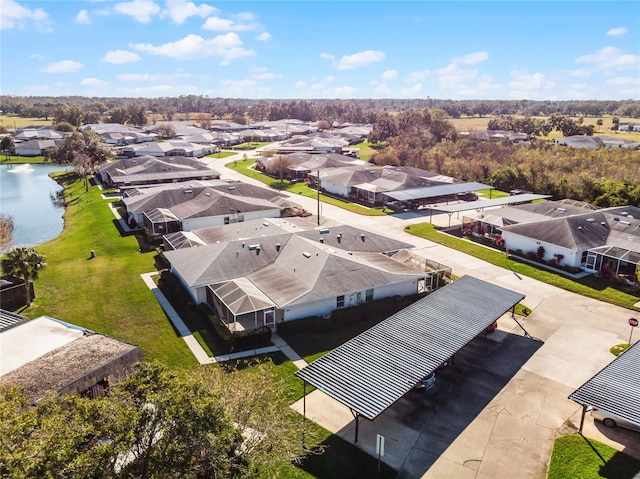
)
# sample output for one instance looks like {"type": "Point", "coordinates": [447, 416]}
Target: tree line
{"type": "Point", "coordinates": [88, 110]}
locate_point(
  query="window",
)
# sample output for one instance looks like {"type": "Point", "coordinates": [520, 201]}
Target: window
{"type": "Point", "coordinates": [368, 295]}
{"type": "Point", "coordinates": [340, 301]}
{"type": "Point", "coordinates": [226, 220]}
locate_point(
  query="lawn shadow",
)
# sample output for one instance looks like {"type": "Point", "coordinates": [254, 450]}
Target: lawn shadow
{"type": "Point", "coordinates": [620, 466]}
{"type": "Point", "coordinates": [335, 458]}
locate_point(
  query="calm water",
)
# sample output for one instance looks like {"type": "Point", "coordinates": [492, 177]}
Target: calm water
{"type": "Point", "coordinates": [26, 194]}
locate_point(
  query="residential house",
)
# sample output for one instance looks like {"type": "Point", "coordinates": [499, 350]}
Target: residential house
{"type": "Point", "coordinates": [605, 240]}
{"type": "Point", "coordinates": [34, 147]}
{"type": "Point", "coordinates": [369, 185]}
{"type": "Point", "coordinates": [303, 163]}
{"type": "Point", "coordinates": [167, 210]}
{"type": "Point", "coordinates": [167, 148]}
{"type": "Point", "coordinates": [46, 354]}
{"type": "Point", "coordinates": [594, 142]}
{"type": "Point", "coordinates": [148, 170]}
{"type": "Point", "coordinates": [28, 134]}
{"type": "Point", "coordinates": [266, 280]}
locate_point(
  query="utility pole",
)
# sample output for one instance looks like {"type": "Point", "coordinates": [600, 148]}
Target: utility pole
{"type": "Point", "coordinates": [318, 186]}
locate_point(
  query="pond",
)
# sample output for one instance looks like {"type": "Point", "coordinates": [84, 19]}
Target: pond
{"type": "Point", "coordinates": [33, 200]}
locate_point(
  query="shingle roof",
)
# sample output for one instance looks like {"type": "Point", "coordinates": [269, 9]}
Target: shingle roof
{"type": "Point", "coordinates": [376, 368]}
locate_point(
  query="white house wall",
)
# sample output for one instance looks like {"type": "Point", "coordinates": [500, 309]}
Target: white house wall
{"type": "Point", "coordinates": [514, 242]}
{"type": "Point", "coordinates": [335, 189]}
{"type": "Point", "coordinates": [327, 305]}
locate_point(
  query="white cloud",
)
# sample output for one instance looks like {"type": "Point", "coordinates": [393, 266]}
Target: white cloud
{"type": "Point", "coordinates": [531, 86]}
{"type": "Point", "coordinates": [12, 14]}
{"type": "Point", "coordinates": [609, 59]}
{"type": "Point", "coordinates": [625, 87]}
{"type": "Point", "coordinates": [390, 75]}
{"type": "Point", "coordinates": [301, 84]}
{"type": "Point", "coordinates": [227, 47]}
{"type": "Point", "coordinates": [411, 91]}
{"type": "Point", "coordinates": [37, 56]}
{"type": "Point", "coordinates": [357, 60]}
{"type": "Point", "coordinates": [180, 10]}
{"type": "Point", "coordinates": [93, 82]}
{"type": "Point", "coordinates": [417, 76]}
{"type": "Point", "coordinates": [141, 10]}
{"type": "Point", "coordinates": [246, 17]}
{"type": "Point", "coordinates": [236, 87]}
{"type": "Point", "coordinates": [64, 66]}
{"type": "Point", "coordinates": [137, 77]}
{"type": "Point", "coordinates": [120, 56]}
{"type": "Point", "coordinates": [327, 56]}
{"type": "Point", "coordinates": [263, 37]}
{"type": "Point", "coordinates": [614, 32]}
{"type": "Point", "coordinates": [344, 92]}
{"type": "Point", "coordinates": [267, 76]}
{"type": "Point", "coordinates": [471, 58]}
{"type": "Point", "coordinates": [83, 17]}
{"type": "Point", "coordinates": [218, 24]}
{"type": "Point", "coordinates": [382, 88]}
{"type": "Point", "coordinates": [581, 73]}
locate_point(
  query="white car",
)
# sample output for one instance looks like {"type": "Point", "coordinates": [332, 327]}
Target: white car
{"type": "Point", "coordinates": [427, 382]}
{"type": "Point", "coordinates": [611, 420]}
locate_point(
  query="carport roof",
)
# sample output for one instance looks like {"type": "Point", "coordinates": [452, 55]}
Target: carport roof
{"type": "Point", "coordinates": [482, 204]}
{"type": "Point", "coordinates": [376, 368]}
{"type": "Point", "coordinates": [616, 388]}
{"type": "Point", "coordinates": [436, 191]}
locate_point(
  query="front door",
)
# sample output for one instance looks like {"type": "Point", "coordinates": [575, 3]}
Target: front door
{"type": "Point", "coordinates": [270, 319]}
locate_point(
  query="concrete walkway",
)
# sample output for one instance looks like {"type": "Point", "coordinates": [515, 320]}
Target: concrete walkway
{"type": "Point", "coordinates": [199, 353]}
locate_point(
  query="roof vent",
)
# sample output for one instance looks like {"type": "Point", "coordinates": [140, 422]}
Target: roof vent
{"type": "Point", "coordinates": [321, 240]}
{"type": "Point", "coordinates": [624, 213]}
{"type": "Point", "coordinates": [590, 220]}
{"type": "Point", "coordinates": [232, 188]}
{"type": "Point", "coordinates": [186, 192]}
{"type": "Point", "coordinates": [253, 246]}
{"type": "Point", "coordinates": [339, 238]}
{"type": "Point", "coordinates": [580, 228]}
{"type": "Point", "coordinates": [324, 231]}
{"type": "Point", "coordinates": [362, 236]}
{"type": "Point", "coordinates": [264, 223]}
{"type": "Point", "coordinates": [278, 246]}
{"type": "Point", "coordinates": [625, 223]}
{"type": "Point", "coordinates": [561, 209]}
{"type": "Point", "coordinates": [306, 255]}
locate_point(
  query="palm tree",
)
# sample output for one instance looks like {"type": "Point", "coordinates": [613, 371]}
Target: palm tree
{"type": "Point", "coordinates": [24, 262]}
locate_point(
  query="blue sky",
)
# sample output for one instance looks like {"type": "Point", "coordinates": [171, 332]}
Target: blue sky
{"type": "Point", "coordinates": [544, 50]}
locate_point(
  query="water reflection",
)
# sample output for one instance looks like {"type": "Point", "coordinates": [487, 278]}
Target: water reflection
{"type": "Point", "coordinates": [34, 200]}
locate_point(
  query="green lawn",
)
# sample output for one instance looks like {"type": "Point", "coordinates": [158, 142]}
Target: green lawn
{"type": "Point", "coordinates": [104, 294]}
{"type": "Point", "coordinates": [589, 286]}
{"type": "Point", "coordinates": [107, 295]}
{"type": "Point", "coordinates": [574, 458]}
{"type": "Point", "coordinates": [13, 159]}
{"type": "Point", "coordinates": [301, 188]}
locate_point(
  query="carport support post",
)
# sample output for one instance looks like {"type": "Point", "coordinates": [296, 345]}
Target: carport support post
{"type": "Point", "coordinates": [584, 411]}
{"type": "Point", "coordinates": [304, 410]}
{"type": "Point", "coordinates": [356, 416]}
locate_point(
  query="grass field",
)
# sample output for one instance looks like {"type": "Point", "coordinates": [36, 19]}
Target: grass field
{"type": "Point", "coordinates": [17, 122]}
{"type": "Point", "coordinates": [480, 123]}
{"type": "Point", "coordinates": [589, 286]}
{"type": "Point", "coordinates": [107, 295]}
{"type": "Point", "coordinates": [574, 457]}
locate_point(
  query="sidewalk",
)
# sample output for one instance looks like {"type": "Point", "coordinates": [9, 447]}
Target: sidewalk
{"type": "Point", "coordinates": [198, 351]}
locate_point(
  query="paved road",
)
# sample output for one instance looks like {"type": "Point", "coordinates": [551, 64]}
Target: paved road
{"type": "Point", "coordinates": [512, 435]}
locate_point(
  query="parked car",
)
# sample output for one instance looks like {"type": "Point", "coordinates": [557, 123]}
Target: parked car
{"type": "Point", "coordinates": [611, 420]}
{"type": "Point", "coordinates": [427, 382]}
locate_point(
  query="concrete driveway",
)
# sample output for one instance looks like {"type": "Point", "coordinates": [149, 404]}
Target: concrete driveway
{"type": "Point", "coordinates": [496, 413]}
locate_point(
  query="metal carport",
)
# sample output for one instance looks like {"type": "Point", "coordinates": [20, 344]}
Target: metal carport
{"type": "Point", "coordinates": [436, 191]}
{"type": "Point", "coordinates": [615, 389]}
{"type": "Point", "coordinates": [376, 368]}
{"type": "Point", "coordinates": [482, 204]}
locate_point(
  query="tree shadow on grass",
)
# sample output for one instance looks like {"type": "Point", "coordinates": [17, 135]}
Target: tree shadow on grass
{"type": "Point", "coordinates": [335, 458]}
{"type": "Point", "coordinates": [620, 466]}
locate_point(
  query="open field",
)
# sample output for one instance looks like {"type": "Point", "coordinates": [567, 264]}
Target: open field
{"type": "Point", "coordinates": [480, 123]}
{"type": "Point", "coordinates": [16, 122]}
{"type": "Point", "coordinates": [107, 295]}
